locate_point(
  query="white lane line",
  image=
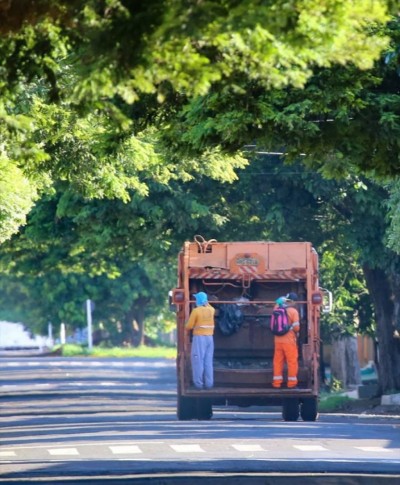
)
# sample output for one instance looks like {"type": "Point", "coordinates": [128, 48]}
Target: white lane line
{"type": "Point", "coordinates": [117, 450]}
{"type": "Point", "coordinates": [310, 448]}
{"type": "Point", "coordinates": [63, 451]}
{"type": "Point", "coordinates": [91, 445]}
{"type": "Point", "coordinates": [7, 453]}
{"type": "Point", "coordinates": [241, 447]}
{"type": "Point", "coordinates": [187, 448]}
{"type": "Point", "coordinates": [377, 449]}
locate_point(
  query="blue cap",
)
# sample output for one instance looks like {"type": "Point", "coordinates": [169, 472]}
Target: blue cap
{"type": "Point", "coordinates": [201, 298]}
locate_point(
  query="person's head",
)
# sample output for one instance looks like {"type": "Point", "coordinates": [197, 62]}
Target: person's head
{"type": "Point", "coordinates": [201, 298]}
{"type": "Point", "coordinates": [281, 301]}
{"type": "Point", "coordinates": [291, 298]}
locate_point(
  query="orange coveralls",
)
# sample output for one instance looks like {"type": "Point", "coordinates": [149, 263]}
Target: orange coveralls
{"type": "Point", "coordinates": [286, 350]}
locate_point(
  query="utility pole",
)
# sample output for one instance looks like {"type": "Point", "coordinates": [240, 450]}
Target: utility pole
{"type": "Point", "coordinates": [89, 307]}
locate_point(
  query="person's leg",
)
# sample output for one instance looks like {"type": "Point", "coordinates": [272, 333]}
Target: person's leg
{"type": "Point", "coordinates": [208, 362]}
{"type": "Point", "coordinates": [291, 353]}
{"type": "Point", "coordinates": [197, 359]}
{"type": "Point", "coordinates": [278, 365]}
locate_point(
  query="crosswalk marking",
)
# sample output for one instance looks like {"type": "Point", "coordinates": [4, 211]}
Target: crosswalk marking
{"type": "Point", "coordinates": [125, 449]}
{"type": "Point", "coordinates": [63, 451]}
{"type": "Point", "coordinates": [187, 448]}
{"type": "Point", "coordinates": [378, 449]}
{"type": "Point", "coordinates": [242, 447]}
{"type": "Point", "coordinates": [122, 451]}
{"type": "Point", "coordinates": [310, 448]}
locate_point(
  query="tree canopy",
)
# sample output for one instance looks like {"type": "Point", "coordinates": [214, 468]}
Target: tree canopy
{"type": "Point", "coordinates": [127, 127]}
{"type": "Point", "coordinates": [145, 90]}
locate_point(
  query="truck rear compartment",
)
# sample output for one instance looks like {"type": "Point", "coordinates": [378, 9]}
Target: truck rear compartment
{"type": "Point", "coordinates": [243, 360]}
{"type": "Point", "coordinates": [248, 278]}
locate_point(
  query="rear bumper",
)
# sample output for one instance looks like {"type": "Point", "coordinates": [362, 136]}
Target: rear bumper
{"type": "Point", "coordinates": [248, 393]}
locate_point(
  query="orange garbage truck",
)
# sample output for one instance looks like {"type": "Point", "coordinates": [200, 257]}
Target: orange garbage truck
{"type": "Point", "coordinates": [243, 280]}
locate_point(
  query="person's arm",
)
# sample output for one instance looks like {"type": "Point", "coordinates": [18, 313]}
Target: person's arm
{"type": "Point", "coordinates": [192, 320]}
{"type": "Point", "coordinates": [294, 319]}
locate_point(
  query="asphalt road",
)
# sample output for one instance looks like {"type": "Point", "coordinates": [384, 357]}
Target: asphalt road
{"type": "Point", "coordinates": [81, 420]}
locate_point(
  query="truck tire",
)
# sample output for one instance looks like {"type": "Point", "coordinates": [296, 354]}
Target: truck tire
{"type": "Point", "coordinates": [290, 409]}
{"type": "Point", "coordinates": [186, 409]}
{"type": "Point", "coordinates": [194, 408]}
{"type": "Point", "coordinates": [204, 409]}
{"type": "Point", "coordinates": [309, 409]}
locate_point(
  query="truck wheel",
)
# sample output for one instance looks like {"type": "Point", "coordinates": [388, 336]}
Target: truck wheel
{"type": "Point", "coordinates": [290, 410]}
{"type": "Point", "coordinates": [204, 409]}
{"type": "Point", "coordinates": [186, 409]}
{"type": "Point", "coordinates": [309, 409]}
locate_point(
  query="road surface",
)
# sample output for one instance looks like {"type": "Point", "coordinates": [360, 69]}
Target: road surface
{"type": "Point", "coordinates": [99, 419]}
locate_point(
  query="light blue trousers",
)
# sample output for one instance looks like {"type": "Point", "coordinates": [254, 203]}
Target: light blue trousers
{"type": "Point", "coordinates": [202, 361]}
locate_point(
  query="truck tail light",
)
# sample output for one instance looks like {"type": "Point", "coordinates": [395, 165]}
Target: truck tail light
{"type": "Point", "coordinates": [324, 298]}
{"type": "Point", "coordinates": [178, 296]}
{"type": "Point", "coordinates": [316, 298]}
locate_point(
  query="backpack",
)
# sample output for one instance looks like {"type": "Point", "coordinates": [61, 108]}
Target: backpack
{"type": "Point", "coordinates": [280, 322]}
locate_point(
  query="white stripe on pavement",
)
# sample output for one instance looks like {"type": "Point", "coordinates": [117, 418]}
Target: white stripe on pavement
{"type": "Point", "coordinates": [310, 448]}
{"type": "Point", "coordinates": [241, 447]}
{"type": "Point", "coordinates": [63, 451]}
{"type": "Point", "coordinates": [378, 449]}
{"type": "Point", "coordinates": [125, 449]}
{"type": "Point", "coordinates": [187, 448]}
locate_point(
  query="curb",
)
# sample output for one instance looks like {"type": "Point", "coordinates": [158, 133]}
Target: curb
{"type": "Point", "coordinates": [390, 400]}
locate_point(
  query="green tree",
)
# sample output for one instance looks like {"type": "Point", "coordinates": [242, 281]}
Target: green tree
{"type": "Point", "coordinates": [120, 255]}
{"type": "Point", "coordinates": [342, 218]}
{"type": "Point", "coordinates": [137, 120]}
{"type": "Point", "coordinates": [17, 196]}
{"type": "Point", "coordinates": [124, 73]}
{"type": "Point", "coordinates": [134, 48]}
{"type": "Point", "coordinates": [124, 298]}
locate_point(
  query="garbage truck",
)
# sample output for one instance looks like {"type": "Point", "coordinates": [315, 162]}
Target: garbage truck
{"type": "Point", "coordinates": [243, 280]}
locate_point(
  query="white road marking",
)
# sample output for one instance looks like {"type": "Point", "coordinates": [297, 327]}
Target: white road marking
{"type": "Point", "coordinates": [310, 448]}
{"type": "Point", "coordinates": [63, 451]}
{"type": "Point", "coordinates": [241, 447]}
{"type": "Point", "coordinates": [85, 363]}
{"type": "Point", "coordinates": [187, 448]}
{"type": "Point", "coordinates": [377, 449]}
{"type": "Point", "coordinates": [125, 449]}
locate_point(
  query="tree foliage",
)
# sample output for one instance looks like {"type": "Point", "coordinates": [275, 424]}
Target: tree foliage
{"type": "Point", "coordinates": [127, 74]}
{"type": "Point", "coordinates": [17, 197]}
{"type": "Point", "coordinates": [129, 119]}
{"type": "Point", "coordinates": [130, 48]}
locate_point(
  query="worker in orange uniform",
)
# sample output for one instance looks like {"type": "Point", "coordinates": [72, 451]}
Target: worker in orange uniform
{"type": "Point", "coordinates": [201, 322]}
{"type": "Point", "coordinates": [286, 345]}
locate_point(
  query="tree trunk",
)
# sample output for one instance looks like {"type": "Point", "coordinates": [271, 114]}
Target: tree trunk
{"type": "Point", "coordinates": [139, 336]}
{"type": "Point", "coordinates": [385, 294]}
{"type": "Point", "coordinates": [338, 361]}
{"type": "Point", "coordinates": [353, 365]}
{"type": "Point", "coordinates": [129, 327]}
{"type": "Point", "coordinates": [344, 362]}
{"type": "Point", "coordinates": [139, 312]}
